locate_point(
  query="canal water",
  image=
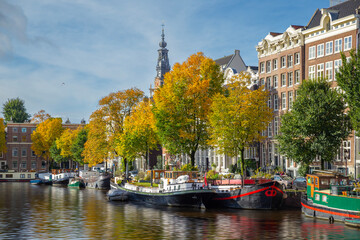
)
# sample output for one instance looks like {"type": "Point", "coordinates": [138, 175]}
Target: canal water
{"type": "Point", "coordinates": [44, 212]}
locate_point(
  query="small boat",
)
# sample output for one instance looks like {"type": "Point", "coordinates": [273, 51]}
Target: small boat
{"type": "Point", "coordinates": [61, 179]}
{"type": "Point", "coordinates": [36, 182]}
{"type": "Point", "coordinates": [352, 222]}
{"type": "Point", "coordinates": [330, 196]}
{"type": "Point", "coordinates": [96, 179]}
{"type": "Point", "coordinates": [267, 195]}
{"type": "Point", "coordinates": [76, 183]}
{"type": "Point", "coordinates": [176, 189]}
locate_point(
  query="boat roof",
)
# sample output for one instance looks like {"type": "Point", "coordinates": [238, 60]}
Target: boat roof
{"type": "Point", "coordinates": [322, 173]}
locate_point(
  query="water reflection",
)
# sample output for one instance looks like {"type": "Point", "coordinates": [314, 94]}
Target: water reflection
{"type": "Point", "coordinates": [43, 212]}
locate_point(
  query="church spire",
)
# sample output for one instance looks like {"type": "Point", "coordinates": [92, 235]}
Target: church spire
{"type": "Point", "coordinates": [163, 65]}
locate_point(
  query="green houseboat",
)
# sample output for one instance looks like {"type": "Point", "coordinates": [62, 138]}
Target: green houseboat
{"type": "Point", "coordinates": [330, 196]}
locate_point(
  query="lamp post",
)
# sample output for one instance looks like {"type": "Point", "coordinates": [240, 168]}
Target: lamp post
{"type": "Point", "coordinates": [346, 157]}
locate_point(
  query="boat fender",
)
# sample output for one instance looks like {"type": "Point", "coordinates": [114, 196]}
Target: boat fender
{"type": "Point", "coordinates": [331, 219]}
{"type": "Point", "coordinates": [314, 214]}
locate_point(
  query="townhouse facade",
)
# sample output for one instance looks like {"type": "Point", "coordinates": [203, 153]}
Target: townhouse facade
{"type": "Point", "coordinates": [19, 156]}
{"type": "Point", "coordinates": [308, 52]}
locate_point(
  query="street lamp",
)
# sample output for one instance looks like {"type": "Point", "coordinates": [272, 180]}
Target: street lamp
{"type": "Point", "coordinates": [346, 157]}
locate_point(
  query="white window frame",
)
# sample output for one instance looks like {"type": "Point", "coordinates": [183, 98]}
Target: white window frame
{"type": "Point", "coordinates": [262, 67]}
{"type": "Point", "coordinates": [276, 126]}
{"type": "Point", "coordinates": [283, 79]}
{"type": "Point", "coordinates": [338, 45]}
{"type": "Point", "coordinates": [270, 129]}
{"type": "Point", "coordinates": [276, 102]}
{"type": "Point", "coordinates": [297, 58]}
{"type": "Point", "coordinates": [15, 152]}
{"type": "Point", "coordinates": [283, 61]}
{"type": "Point", "coordinates": [275, 81]}
{"type": "Point", "coordinates": [312, 74]}
{"type": "Point", "coordinates": [290, 61]}
{"type": "Point", "coordinates": [268, 83]}
{"type": "Point", "coordinates": [269, 102]}
{"type": "Point", "coordinates": [290, 99]}
{"type": "Point", "coordinates": [320, 70]}
{"type": "Point", "coordinates": [312, 52]}
{"type": "Point", "coordinates": [337, 64]}
{"type": "Point", "coordinates": [268, 66]}
{"type": "Point", "coordinates": [275, 64]}
{"type": "Point", "coordinates": [347, 43]}
{"type": "Point", "coordinates": [283, 100]}
{"type": "Point", "coordinates": [320, 50]}
{"type": "Point", "coordinates": [329, 48]}
{"type": "Point", "coordinates": [297, 77]}
{"type": "Point", "coordinates": [329, 70]}
{"type": "Point", "coordinates": [290, 79]}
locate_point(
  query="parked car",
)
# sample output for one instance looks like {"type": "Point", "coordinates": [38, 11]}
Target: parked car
{"type": "Point", "coordinates": [299, 183]}
{"type": "Point", "coordinates": [284, 180]}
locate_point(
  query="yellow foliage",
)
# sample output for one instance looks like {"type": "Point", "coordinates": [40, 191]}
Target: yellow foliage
{"type": "Point", "coordinates": [2, 136]}
{"type": "Point", "coordinates": [44, 136]}
{"type": "Point", "coordinates": [65, 141]}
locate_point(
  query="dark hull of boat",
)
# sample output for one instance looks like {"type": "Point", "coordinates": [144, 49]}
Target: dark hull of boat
{"type": "Point", "coordinates": [36, 182]}
{"type": "Point", "coordinates": [323, 212]}
{"type": "Point", "coordinates": [60, 182]}
{"type": "Point", "coordinates": [102, 182]}
{"type": "Point", "coordinates": [190, 198]}
{"type": "Point", "coordinates": [262, 196]}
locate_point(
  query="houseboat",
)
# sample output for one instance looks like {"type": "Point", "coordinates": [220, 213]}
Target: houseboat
{"type": "Point", "coordinates": [175, 188]}
{"type": "Point", "coordinates": [96, 179]}
{"type": "Point", "coordinates": [61, 177]}
{"type": "Point", "coordinates": [330, 196]}
{"type": "Point", "coordinates": [12, 176]}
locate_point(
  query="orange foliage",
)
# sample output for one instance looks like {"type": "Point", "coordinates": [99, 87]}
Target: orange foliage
{"type": "Point", "coordinates": [40, 117]}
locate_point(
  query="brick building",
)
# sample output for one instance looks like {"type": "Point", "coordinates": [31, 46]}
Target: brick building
{"type": "Point", "coordinates": [305, 53]}
{"type": "Point", "coordinates": [19, 155]}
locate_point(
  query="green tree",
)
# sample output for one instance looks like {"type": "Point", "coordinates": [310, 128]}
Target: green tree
{"type": "Point", "coordinates": [2, 136]}
{"type": "Point", "coordinates": [183, 103]}
{"type": "Point", "coordinates": [348, 79]}
{"type": "Point", "coordinates": [238, 119]}
{"type": "Point", "coordinates": [78, 145]}
{"type": "Point", "coordinates": [55, 154]}
{"type": "Point", "coordinates": [317, 124]}
{"type": "Point", "coordinates": [14, 110]}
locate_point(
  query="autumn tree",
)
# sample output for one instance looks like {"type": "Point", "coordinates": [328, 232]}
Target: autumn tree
{"type": "Point", "coordinates": [139, 135]}
{"type": "Point", "coordinates": [316, 125]}
{"type": "Point", "coordinates": [40, 117]}
{"type": "Point", "coordinates": [348, 79]}
{"type": "Point", "coordinates": [14, 110]}
{"type": "Point", "coordinates": [55, 153]}
{"type": "Point", "coordinates": [2, 136]}
{"type": "Point", "coordinates": [182, 104]}
{"type": "Point", "coordinates": [238, 118]}
{"type": "Point", "coordinates": [45, 135]}
{"type": "Point", "coordinates": [78, 145]}
{"type": "Point", "coordinates": [109, 119]}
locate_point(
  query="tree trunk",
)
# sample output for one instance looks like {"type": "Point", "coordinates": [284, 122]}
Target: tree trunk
{"type": "Point", "coordinates": [242, 164]}
{"type": "Point", "coordinates": [192, 158]}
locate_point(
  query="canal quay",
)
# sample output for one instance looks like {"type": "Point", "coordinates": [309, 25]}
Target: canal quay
{"type": "Point", "coordinates": [43, 212]}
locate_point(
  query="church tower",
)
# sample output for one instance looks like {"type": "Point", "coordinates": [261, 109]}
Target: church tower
{"type": "Point", "coordinates": [163, 65]}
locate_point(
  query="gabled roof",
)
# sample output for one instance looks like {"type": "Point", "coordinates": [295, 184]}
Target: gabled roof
{"type": "Point", "coordinates": [234, 61]}
{"type": "Point", "coordinates": [274, 34]}
{"type": "Point", "coordinates": [224, 60]}
{"type": "Point", "coordinates": [340, 10]}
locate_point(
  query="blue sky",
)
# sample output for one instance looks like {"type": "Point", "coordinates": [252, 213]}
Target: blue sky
{"type": "Point", "coordinates": [64, 55]}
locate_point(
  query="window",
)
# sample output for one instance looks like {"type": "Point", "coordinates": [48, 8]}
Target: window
{"type": "Point", "coordinates": [283, 62]}
{"type": "Point", "coordinates": [276, 126]}
{"type": "Point", "coordinates": [14, 152]}
{"type": "Point", "coordinates": [33, 154]}
{"type": "Point", "coordinates": [268, 82]}
{"type": "Point", "coordinates": [290, 79]}
{"type": "Point", "coordinates": [312, 72]}
{"type": "Point", "coordinates": [283, 79]}
{"type": "Point", "coordinates": [290, 94]}
{"type": "Point", "coordinates": [262, 67]}
{"type": "Point", "coordinates": [29, 175]}
{"type": "Point", "coordinates": [23, 152]}
{"type": "Point", "coordinates": [276, 106]}
{"type": "Point", "coordinates": [268, 66]}
{"type": "Point", "coordinates": [283, 100]}
{"type": "Point", "coordinates": [312, 52]}
{"type": "Point", "coordinates": [262, 82]}
{"type": "Point", "coordinates": [337, 64]}
{"type": "Point", "coordinates": [270, 129]}
{"type": "Point", "coordinates": [329, 48]}
{"type": "Point", "coordinates": [33, 164]}
{"type": "Point", "coordinates": [43, 164]}
{"type": "Point", "coordinates": [15, 138]}
{"type": "Point", "coordinates": [297, 76]}
{"type": "Point", "coordinates": [33, 129]}
{"type": "Point", "coordinates": [295, 94]}
{"type": "Point", "coordinates": [275, 64]}
{"type": "Point", "coordinates": [347, 43]}
{"type": "Point", "coordinates": [23, 164]}
{"type": "Point", "coordinates": [320, 70]}
{"type": "Point", "coordinates": [329, 70]}
{"type": "Point", "coordinates": [347, 146]}
{"type": "Point", "coordinates": [269, 102]}
{"type": "Point", "coordinates": [338, 45]}
{"type": "Point", "coordinates": [23, 138]}
{"type": "Point", "coordinates": [22, 175]}
{"type": "Point", "coordinates": [297, 58]}
{"type": "Point", "coordinates": [23, 130]}
{"type": "Point", "coordinates": [290, 60]}
{"type": "Point", "coordinates": [275, 81]}
{"type": "Point", "coordinates": [320, 50]}
{"type": "Point", "coordinates": [15, 129]}
{"type": "Point", "coordinates": [15, 165]}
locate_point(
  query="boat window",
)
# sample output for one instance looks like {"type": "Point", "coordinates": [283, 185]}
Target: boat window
{"type": "Point", "coordinates": [316, 181]}
{"type": "Point", "coordinates": [312, 180]}
{"type": "Point", "coordinates": [194, 175]}
{"type": "Point", "coordinates": [156, 174]}
{"type": "Point", "coordinates": [324, 198]}
{"type": "Point", "coordinates": [0, 175]}
{"type": "Point", "coordinates": [161, 174]}
{"type": "Point", "coordinates": [178, 187]}
{"type": "Point", "coordinates": [317, 197]}
{"type": "Point", "coordinates": [171, 175]}
{"type": "Point", "coordinates": [8, 175]}
{"type": "Point", "coordinates": [333, 181]}
{"type": "Point", "coordinates": [324, 181]}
